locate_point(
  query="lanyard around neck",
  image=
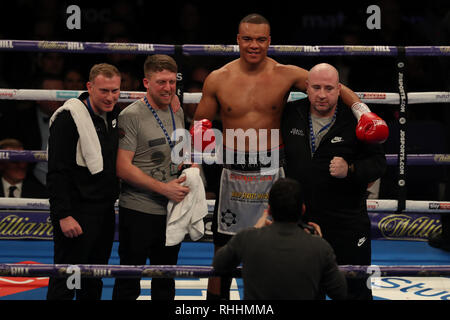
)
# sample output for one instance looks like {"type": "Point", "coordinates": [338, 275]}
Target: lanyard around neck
{"type": "Point", "coordinates": [171, 144]}
{"type": "Point", "coordinates": [311, 131]}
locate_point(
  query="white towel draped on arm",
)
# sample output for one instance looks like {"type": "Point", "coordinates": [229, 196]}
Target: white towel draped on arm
{"type": "Point", "coordinates": [187, 216]}
{"type": "Point", "coordinates": [89, 153]}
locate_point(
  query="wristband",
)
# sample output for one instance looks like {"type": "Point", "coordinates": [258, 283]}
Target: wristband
{"type": "Point", "coordinates": [359, 108]}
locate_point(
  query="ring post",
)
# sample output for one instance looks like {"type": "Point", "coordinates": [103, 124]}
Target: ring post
{"type": "Point", "coordinates": [402, 119]}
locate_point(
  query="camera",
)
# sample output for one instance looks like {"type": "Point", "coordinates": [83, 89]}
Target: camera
{"type": "Point", "coordinates": [303, 225]}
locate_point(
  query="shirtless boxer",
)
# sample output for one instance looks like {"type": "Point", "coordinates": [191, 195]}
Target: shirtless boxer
{"type": "Point", "coordinates": [250, 93]}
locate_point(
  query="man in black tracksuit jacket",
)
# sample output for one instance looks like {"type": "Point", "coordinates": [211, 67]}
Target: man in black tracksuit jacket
{"type": "Point", "coordinates": [337, 204]}
{"type": "Point", "coordinates": [82, 203]}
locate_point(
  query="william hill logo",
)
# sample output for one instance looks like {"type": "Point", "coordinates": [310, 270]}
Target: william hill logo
{"type": "Point", "coordinates": [397, 226]}
{"type": "Point", "coordinates": [6, 44]}
{"type": "Point", "coordinates": [17, 227]}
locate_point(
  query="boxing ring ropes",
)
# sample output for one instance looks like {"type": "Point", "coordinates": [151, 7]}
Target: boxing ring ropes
{"type": "Point", "coordinates": [400, 98]}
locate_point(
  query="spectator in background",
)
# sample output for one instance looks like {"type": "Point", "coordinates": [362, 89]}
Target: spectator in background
{"type": "Point", "coordinates": [43, 113]}
{"type": "Point", "coordinates": [16, 183]}
{"type": "Point", "coordinates": [190, 23]}
{"type": "Point", "coordinates": [73, 80]}
{"type": "Point", "coordinates": [195, 85]}
{"type": "Point", "coordinates": [189, 108]}
{"type": "Point", "coordinates": [30, 125]}
{"type": "Point", "coordinates": [44, 29]}
{"type": "Point", "coordinates": [50, 63]}
{"type": "Point", "coordinates": [117, 58]}
{"type": "Point", "coordinates": [130, 79]}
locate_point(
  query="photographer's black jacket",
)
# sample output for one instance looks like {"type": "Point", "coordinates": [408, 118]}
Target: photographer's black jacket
{"type": "Point", "coordinates": [331, 201]}
{"type": "Point", "coordinates": [73, 189]}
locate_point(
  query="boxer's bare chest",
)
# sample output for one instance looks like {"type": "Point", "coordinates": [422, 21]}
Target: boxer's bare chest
{"type": "Point", "coordinates": [262, 94]}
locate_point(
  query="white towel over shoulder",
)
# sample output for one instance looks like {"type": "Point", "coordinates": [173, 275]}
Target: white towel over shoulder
{"type": "Point", "coordinates": [89, 152]}
{"type": "Point", "coordinates": [187, 216]}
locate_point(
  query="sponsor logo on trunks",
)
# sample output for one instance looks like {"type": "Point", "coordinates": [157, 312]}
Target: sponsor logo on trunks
{"type": "Point", "coordinates": [249, 196]}
{"type": "Point", "coordinates": [247, 178]}
{"type": "Point", "coordinates": [229, 218]}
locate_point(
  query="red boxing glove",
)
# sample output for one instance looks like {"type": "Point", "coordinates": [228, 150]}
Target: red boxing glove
{"type": "Point", "coordinates": [372, 129]}
{"type": "Point", "coordinates": [198, 132]}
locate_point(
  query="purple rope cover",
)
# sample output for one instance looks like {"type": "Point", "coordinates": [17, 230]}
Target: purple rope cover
{"type": "Point", "coordinates": [24, 155]}
{"type": "Point", "coordinates": [413, 159]}
{"type": "Point", "coordinates": [217, 49]}
{"type": "Point", "coordinates": [421, 159]}
{"type": "Point", "coordinates": [85, 47]}
{"type": "Point", "coordinates": [169, 271]}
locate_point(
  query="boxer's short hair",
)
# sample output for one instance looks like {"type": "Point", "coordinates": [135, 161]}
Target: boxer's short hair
{"type": "Point", "coordinates": [254, 18]}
